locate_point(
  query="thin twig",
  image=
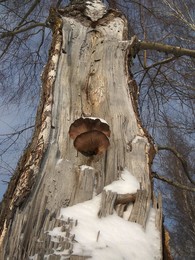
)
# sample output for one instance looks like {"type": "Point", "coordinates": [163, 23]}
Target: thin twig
{"type": "Point", "coordinates": [36, 2]}
{"type": "Point", "coordinates": [161, 62]}
{"type": "Point", "coordinates": [18, 132]}
{"type": "Point", "coordinates": [173, 183]}
{"type": "Point", "coordinates": [12, 33]}
{"type": "Point", "coordinates": [180, 157]}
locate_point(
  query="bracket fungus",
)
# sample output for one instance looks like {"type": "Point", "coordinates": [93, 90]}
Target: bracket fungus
{"type": "Point", "coordinates": [90, 135]}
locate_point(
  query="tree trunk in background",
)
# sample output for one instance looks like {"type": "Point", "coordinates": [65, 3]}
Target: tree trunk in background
{"type": "Point", "coordinates": [86, 76]}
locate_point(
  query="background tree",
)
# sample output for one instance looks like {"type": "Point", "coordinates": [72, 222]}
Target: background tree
{"type": "Point", "coordinates": [165, 82]}
{"type": "Point", "coordinates": [179, 202]}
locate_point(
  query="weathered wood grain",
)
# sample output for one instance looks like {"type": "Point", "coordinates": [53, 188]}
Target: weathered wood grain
{"type": "Point", "coordinates": [157, 204]}
{"type": "Point", "coordinates": [139, 213]}
{"type": "Point", "coordinates": [107, 203]}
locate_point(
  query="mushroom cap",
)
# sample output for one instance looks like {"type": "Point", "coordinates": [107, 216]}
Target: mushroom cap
{"type": "Point", "coordinates": [83, 125]}
{"type": "Point", "coordinates": [91, 143]}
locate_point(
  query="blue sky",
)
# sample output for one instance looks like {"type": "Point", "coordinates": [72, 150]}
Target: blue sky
{"type": "Point", "coordinates": [13, 118]}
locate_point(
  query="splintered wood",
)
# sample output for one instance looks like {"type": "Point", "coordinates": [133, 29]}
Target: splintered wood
{"type": "Point", "coordinates": [111, 201]}
{"type": "Point", "coordinates": [54, 246]}
{"type": "Point", "coordinates": [107, 203]}
{"type": "Point", "coordinates": [139, 212]}
{"type": "Point", "coordinates": [157, 204]}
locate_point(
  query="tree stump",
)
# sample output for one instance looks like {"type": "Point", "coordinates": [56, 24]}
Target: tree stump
{"type": "Point", "coordinates": [87, 75]}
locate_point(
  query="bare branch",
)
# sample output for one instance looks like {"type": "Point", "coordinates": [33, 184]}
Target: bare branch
{"type": "Point", "coordinates": [14, 32]}
{"type": "Point", "coordinates": [18, 132]}
{"type": "Point", "coordinates": [171, 182]}
{"type": "Point", "coordinates": [180, 157]}
{"type": "Point", "coordinates": [7, 47]}
{"type": "Point", "coordinates": [160, 63]}
{"type": "Point", "coordinates": [182, 15]}
{"type": "Point", "coordinates": [36, 2]}
{"type": "Point", "coordinates": [136, 45]}
{"type": "Point", "coordinates": [20, 24]}
{"type": "Point", "coordinates": [5, 182]}
{"type": "Point", "coordinates": [175, 50]}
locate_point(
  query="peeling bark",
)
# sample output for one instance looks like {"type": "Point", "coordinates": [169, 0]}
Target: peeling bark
{"type": "Point", "coordinates": [86, 76]}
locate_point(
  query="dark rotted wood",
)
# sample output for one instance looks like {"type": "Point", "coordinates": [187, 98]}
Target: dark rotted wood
{"type": "Point", "coordinates": [125, 198]}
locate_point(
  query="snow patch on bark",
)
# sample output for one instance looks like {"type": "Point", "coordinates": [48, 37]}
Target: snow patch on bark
{"type": "Point", "coordinates": [84, 167]}
{"type": "Point", "coordinates": [138, 138]}
{"type": "Point", "coordinates": [94, 118]}
{"type": "Point", "coordinates": [126, 184]}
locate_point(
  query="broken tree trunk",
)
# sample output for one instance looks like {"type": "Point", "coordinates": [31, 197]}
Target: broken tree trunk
{"type": "Point", "coordinates": [86, 75]}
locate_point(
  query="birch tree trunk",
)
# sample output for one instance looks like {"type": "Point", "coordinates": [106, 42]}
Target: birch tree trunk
{"type": "Point", "coordinates": [87, 75]}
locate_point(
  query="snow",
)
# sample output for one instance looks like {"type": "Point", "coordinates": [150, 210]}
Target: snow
{"type": "Point", "coordinates": [59, 161]}
{"type": "Point", "coordinates": [95, 9]}
{"type": "Point", "coordinates": [94, 118]}
{"type": "Point", "coordinates": [126, 184]}
{"type": "Point", "coordinates": [83, 167]}
{"type": "Point", "coordinates": [112, 237]}
{"type": "Point", "coordinates": [138, 138]}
